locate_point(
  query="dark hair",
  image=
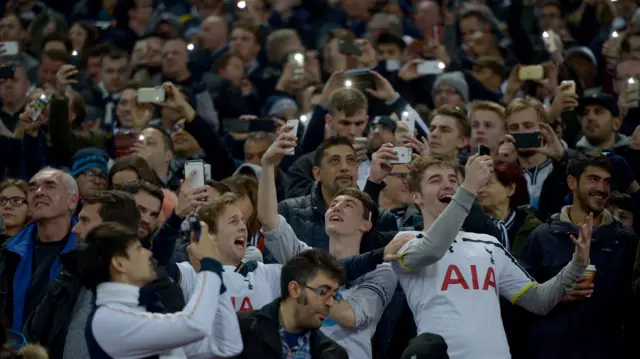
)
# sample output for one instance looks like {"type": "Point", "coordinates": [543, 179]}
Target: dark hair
{"type": "Point", "coordinates": [250, 27]}
{"type": "Point", "coordinates": [209, 214]}
{"type": "Point", "coordinates": [371, 211]}
{"type": "Point", "coordinates": [223, 61]}
{"type": "Point", "coordinates": [222, 188]}
{"type": "Point", "coordinates": [137, 186]}
{"type": "Point", "coordinates": [105, 241]}
{"type": "Point", "coordinates": [391, 39]}
{"type": "Point", "coordinates": [116, 206]}
{"type": "Point", "coordinates": [476, 13]}
{"type": "Point", "coordinates": [303, 267]}
{"type": "Point", "coordinates": [114, 54]}
{"type": "Point", "coordinates": [243, 185]}
{"type": "Point", "coordinates": [99, 50]}
{"type": "Point", "coordinates": [23, 23]}
{"type": "Point", "coordinates": [53, 37]}
{"type": "Point", "coordinates": [136, 164]}
{"type": "Point", "coordinates": [621, 200]}
{"type": "Point", "coordinates": [555, 4]}
{"type": "Point", "coordinates": [55, 55]}
{"type": "Point", "coordinates": [509, 173]}
{"type": "Point", "coordinates": [579, 163]}
{"type": "Point", "coordinates": [327, 144]}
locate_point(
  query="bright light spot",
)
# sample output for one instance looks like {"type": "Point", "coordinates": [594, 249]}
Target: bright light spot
{"type": "Point", "coordinates": [303, 118]}
{"type": "Point", "coordinates": [190, 47]}
{"type": "Point", "coordinates": [348, 83]}
{"type": "Point", "coordinates": [141, 138]}
{"type": "Point", "coordinates": [631, 80]}
{"type": "Point", "coordinates": [441, 65]}
{"type": "Point", "coordinates": [74, 53]}
{"type": "Point", "coordinates": [545, 34]}
{"type": "Point", "coordinates": [242, 4]}
{"type": "Point", "coordinates": [405, 114]}
{"type": "Point", "coordinates": [614, 34]}
{"type": "Point", "coordinates": [43, 96]}
{"type": "Point", "coordinates": [298, 57]}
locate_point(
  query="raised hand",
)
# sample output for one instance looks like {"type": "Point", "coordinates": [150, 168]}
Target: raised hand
{"type": "Point", "coordinates": [478, 172]}
{"type": "Point", "coordinates": [206, 246]}
{"type": "Point", "coordinates": [64, 78]}
{"type": "Point", "coordinates": [583, 243]}
{"type": "Point", "coordinates": [381, 163]}
{"type": "Point", "coordinates": [283, 146]}
{"type": "Point", "coordinates": [190, 199]}
{"type": "Point", "coordinates": [552, 147]}
{"type": "Point", "coordinates": [383, 91]}
{"type": "Point", "coordinates": [392, 248]}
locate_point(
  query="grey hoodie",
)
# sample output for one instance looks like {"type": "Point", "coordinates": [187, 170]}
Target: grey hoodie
{"type": "Point", "coordinates": [621, 141]}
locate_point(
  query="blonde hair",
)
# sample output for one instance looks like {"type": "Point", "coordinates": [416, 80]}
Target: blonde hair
{"type": "Point", "coordinates": [487, 106]}
{"type": "Point", "coordinates": [523, 103]}
{"type": "Point", "coordinates": [33, 351]}
{"type": "Point", "coordinates": [348, 100]}
{"type": "Point", "coordinates": [281, 43]}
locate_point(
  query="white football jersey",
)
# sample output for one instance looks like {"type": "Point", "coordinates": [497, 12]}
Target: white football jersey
{"type": "Point", "coordinates": [254, 290]}
{"type": "Point", "coordinates": [457, 297]}
{"type": "Point", "coordinates": [535, 180]}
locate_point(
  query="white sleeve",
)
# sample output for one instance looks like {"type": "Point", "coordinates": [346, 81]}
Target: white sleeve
{"type": "Point", "coordinates": [123, 332]}
{"type": "Point", "coordinates": [225, 341]}
{"type": "Point", "coordinates": [188, 279]}
{"type": "Point", "coordinates": [512, 279]}
{"type": "Point", "coordinates": [283, 243]}
{"type": "Point", "coordinates": [372, 296]}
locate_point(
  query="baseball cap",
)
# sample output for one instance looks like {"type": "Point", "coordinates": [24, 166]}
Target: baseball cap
{"type": "Point", "coordinates": [601, 99]}
{"type": "Point", "coordinates": [426, 346]}
{"type": "Point", "coordinates": [384, 120]}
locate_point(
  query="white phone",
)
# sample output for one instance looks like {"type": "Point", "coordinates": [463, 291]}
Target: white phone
{"type": "Point", "coordinates": [295, 124]}
{"type": "Point", "coordinates": [151, 94]}
{"type": "Point", "coordinates": [433, 67]}
{"type": "Point", "coordinates": [10, 48]}
{"type": "Point", "coordinates": [393, 65]}
{"type": "Point", "coordinates": [404, 155]}
{"type": "Point", "coordinates": [549, 39]}
{"type": "Point", "coordinates": [361, 141]}
{"type": "Point", "coordinates": [207, 172]}
{"type": "Point", "coordinates": [39, 106]}
{"type": "Point", "coordinates": [410, 121]}
{"type": "Point", "coordinates": [199, 168]}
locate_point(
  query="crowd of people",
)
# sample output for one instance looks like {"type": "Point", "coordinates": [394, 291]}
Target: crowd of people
{"type": "Point", "coordinates": [387, 179]}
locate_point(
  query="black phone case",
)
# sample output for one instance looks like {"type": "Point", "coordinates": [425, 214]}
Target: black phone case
{"type": "Point", "coordinates": [527, 140]}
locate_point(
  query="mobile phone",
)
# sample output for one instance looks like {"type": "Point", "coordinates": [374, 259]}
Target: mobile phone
{"type": "Point", "coordinates": [298, 59]}
{"type": "Point", "coordinates": [571, 86]}
{"type": "Point", "coordinates": [39, 106]}
{"type": "Point", "coordinates": [151, 94]}
{"type": "Point", "coordinates": [76, 59]}
{"type": "Point", "coordinates": [358, 78]}
{"type": "Point", "coordinates": [549, 38]}
{"type": "Point", "coordinates": [633, 88]}
{"type": "Point", "coordinates": [533, 72]}
{"type": "Point", "coordinates": [7, 72]}
{"type": "Point", "coordinates": [207, 172]}
{"type": "Point", "coordinates": [10, 48]}
{"type": "Point", "coordinates": [433, 67]}
{"type": "Point", "coordinates": [362, 141]}
{"type": "Point", "coordinates": [410, 121]}
{"type": "Point", "coordinates": [483, 150]}
{"type": "Point", "coordinates": [347, 47]}
{"type": "Point", "coordinates": [123, 140]}
{"type": "Point", "coordinates": [404, 155]}
{"type": "Point", "coordinates": [244, 126]}
{"type": "Point", "coordinates": [295, 124]}
{"type": "Point", "coordinates": [194, 227]}
{"type": "Point", "coordinates": [527, 139]}
{"type": "Point", "coordinates": [198, 167]}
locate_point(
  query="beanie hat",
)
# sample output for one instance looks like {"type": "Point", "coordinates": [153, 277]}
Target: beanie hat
{"type": "Point", "coordinates": [88, 158]}
{"type": "Point", "coordinates": [455, 80]}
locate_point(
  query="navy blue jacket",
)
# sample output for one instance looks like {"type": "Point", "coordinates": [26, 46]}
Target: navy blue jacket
{"type": "Point", "coordinates": [593, 327]}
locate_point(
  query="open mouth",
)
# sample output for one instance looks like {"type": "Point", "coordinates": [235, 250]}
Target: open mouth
{"type": "Point", "coordinates": [335, 219]}
{"type": "Point", "coordinates": [240, 241]}
{"type": "Point", "coordinates": [599, 197]}
{"type": "Point", "coordinates": [40, 204]}
{"type": "Point", "coordinates": [446, 199]}
{"type": "Point", "coordinates": [344, 178]}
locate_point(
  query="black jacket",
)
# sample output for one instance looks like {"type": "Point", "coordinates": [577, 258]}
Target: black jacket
{"type": "Point", "coordinates": [261, 339]}
{"type": "Point", "coordinates": [306, 217]}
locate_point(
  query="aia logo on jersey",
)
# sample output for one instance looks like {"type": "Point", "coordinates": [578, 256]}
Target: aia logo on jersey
{"type": "Point", "coordinates": [454, 277]}
{"type": "Point", "coordinates": [243, 302]}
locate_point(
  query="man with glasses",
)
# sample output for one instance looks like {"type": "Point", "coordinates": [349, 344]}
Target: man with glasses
{"type": "Point", "coordinates": [396, 198]}
{"type": "Point", "coordinates": [89, 168]}
{"type": "Point", "coordinates": [308, 288]}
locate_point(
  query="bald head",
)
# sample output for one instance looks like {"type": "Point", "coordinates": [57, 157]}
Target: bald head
{"type": "Point", "coordinates": [213, 33]}
{"type": "Point", "coordinates": [427, 15]}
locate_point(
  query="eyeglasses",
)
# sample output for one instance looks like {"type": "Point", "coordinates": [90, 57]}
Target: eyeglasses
{"type": "Point", "coordinates": [325, 294]}
{"type": "Point", "coordinates": [92, 175]}
{"type": "Point", "coordinates": [15, 201]}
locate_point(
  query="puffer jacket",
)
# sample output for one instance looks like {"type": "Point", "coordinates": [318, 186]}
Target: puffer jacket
{"type": "Point", "coordinates": [306, 217]}
{"type": "Point", "coordinates": [591, 328]}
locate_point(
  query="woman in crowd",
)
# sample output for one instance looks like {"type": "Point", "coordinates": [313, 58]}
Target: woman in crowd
{"type": "Point", "coordinates": [13, 205]}
{"type": "Point", "coordinates": [505, 198]}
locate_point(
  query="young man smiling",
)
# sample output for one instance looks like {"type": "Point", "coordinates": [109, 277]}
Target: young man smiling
{"type": "Point", "coordinates": [452, 279]}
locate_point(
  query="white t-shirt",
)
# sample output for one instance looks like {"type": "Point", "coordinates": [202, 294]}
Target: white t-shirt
{"type": "Point", "coordinates": [457, 297]}
{"type": "Point", "coordinates": [535, 180]}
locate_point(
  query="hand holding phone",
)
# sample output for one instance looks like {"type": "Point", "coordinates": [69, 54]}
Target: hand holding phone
{"type": "Point", "coordinates": [483, 150]}
{"type": "Point", "coordinates": [527, 140]}
{"type": "Point", "coordinates": [194, 227]}
{"type": "Point", "coordinates": [151, 94]}
{"type": "Point", "coordinates": [196, 166]}
{"type": "Point", "coordinates": [404, 155]}
{"type": "Point", "coordinates": [349, 48]}
{"type": "Point", "coordinates": [9, 48]}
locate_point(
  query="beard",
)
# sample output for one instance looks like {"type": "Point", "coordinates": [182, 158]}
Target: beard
{"type": "Point", "coordinates": [583, 197]}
